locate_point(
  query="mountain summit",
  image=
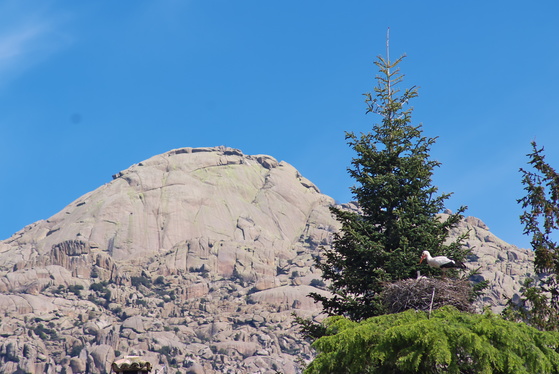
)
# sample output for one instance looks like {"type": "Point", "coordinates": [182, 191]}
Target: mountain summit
{"type": "Point", "coordinates": [195, 259]}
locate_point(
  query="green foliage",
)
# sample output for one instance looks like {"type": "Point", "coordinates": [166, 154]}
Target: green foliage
{"type": "Point", "coordinates": [59, 290]}
{"type": "Point", "coordinates": [142, 280]}
{"type": "Point", "coordinates": [533, 307]}
{"type": "Point", "coordinates": [117, 310]}
{"type": "Point", "coordinates": [99, 287]}
{"type": "Point", "coordinates": [308, 328]}
{"type": "Point", "coordinates": [448, 342]}
{"type": "Point", "coordinates": [168, 352]}
{"type": "Point", "coordinates": [102, 295]}
{"type": "Point", "coordinates": [165, 350]}
{"type": "Point", "coordinates": [541, 215]}
{"type": "Point", "coordinates": [45, 333]}
{"type": "Point", "coordinates": [75, 289]}
{"type": "Point", "coordinates": [539, 304]}
{"type": "Point", "coordinates": [160, 280]}
{"type": "Point", "coordinates": [318, 283]}
{"type": "Point", "coordinates": [398, 221]}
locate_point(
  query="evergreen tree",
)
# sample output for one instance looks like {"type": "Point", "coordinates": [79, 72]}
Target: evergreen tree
{"type": "Point", "coordinates": [539, 305]}
{"type": "Point", "coordinates": [446, 342]}
{"type": "Point", "coordinates": [399, 206]}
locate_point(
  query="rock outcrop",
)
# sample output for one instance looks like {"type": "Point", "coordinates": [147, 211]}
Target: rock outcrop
{"type": "Point", "coordinates": [503, 265]}
{"type": "Point", "coordinates": [194, 259]}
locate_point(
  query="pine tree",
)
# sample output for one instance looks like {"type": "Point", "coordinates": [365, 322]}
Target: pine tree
{"type": "Point", "coordinates": [446, 342]}
{"type": "Point", "coordinates": [399, 206]}
{"type": "Point", "coordinates": [539, 305]}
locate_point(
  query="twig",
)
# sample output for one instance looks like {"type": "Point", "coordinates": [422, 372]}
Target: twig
{"type": "Point", "coordinates": [431, 305]}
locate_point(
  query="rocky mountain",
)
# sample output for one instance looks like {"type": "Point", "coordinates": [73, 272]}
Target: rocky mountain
{"type": "Point", "coordinates": [196, 260]}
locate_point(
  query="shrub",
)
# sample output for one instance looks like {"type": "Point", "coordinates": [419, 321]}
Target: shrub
{"type": "Point", "coordinates": [448, 342]}
{"type": "Point", "coordinates": [45, 333]}
{"type": "Point", "coordinates": [98, 287]}
{"type": "Point", "coordinates": [141, 281]}
{"type": "Point", "coordinates": [75, 289]}
{"type": "Point", "coordinates": [319, 283]}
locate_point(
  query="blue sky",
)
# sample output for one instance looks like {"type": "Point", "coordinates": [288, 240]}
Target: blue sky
{"type": "Point", "coordinates": [89, 88]}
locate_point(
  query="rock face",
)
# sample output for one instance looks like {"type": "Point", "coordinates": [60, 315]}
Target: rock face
{"type": "Point", "coordinates": [194, 259]}
{"type": "Point", "coordinates": [503, 265]}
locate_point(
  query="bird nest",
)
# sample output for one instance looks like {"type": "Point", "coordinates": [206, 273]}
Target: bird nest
{"type": "Point", "coordinates": [427, 294]}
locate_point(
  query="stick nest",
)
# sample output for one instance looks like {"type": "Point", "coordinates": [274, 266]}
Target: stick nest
{"type": "Point", "coordinates": [417, 293]}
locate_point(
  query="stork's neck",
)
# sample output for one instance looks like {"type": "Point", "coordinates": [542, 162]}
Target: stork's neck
{"type": "Point", "coordinates": [428, 256]}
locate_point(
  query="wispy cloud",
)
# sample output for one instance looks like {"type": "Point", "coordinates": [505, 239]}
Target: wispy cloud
{"type": "Point", "coordinates": [16, 44]}
{"type": "Point", "coordinates": [27, 37]}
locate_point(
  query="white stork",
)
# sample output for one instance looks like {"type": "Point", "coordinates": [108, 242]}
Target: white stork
{"type": "Point", "coordinates": [441, 262]}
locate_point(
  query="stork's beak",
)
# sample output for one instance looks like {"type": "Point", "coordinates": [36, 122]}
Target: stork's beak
{"type": "Point", "coordinates": [421, 259]}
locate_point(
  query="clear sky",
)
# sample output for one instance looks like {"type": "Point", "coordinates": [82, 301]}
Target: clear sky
{"type": "Point", "coordinates": [88, 88]}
